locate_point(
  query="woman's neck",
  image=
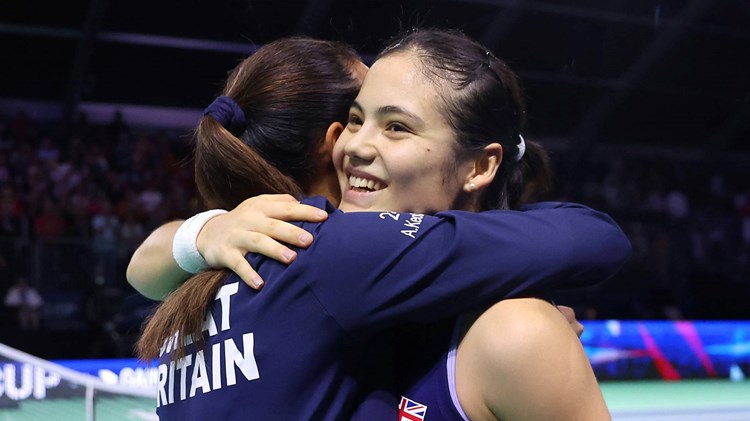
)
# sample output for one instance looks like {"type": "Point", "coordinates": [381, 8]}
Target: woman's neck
{"type": "Point", "coordinates": [325, 186]}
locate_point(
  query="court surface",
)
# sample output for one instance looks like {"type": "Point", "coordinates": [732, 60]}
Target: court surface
{"type": "Point", "coordinates": [687, 400]}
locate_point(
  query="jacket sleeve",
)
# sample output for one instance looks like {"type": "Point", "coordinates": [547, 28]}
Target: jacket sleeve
{"type": "Point", "coordinates": [373, 270]}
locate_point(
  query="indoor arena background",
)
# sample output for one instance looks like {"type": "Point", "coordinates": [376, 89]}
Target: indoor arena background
{"type": "Point", "coordinates": [645, 106]}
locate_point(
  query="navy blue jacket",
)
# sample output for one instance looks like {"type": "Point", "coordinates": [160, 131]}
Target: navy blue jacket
{"type": "Point", "coordinates": [292, 350]}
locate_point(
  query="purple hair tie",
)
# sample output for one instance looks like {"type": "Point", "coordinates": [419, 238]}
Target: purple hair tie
{"type": "Point", "coordinates": [228, 114]}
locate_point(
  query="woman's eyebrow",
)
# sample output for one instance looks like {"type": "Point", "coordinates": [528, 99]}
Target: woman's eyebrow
{"type": "Point", "coordinates": [394, 109]}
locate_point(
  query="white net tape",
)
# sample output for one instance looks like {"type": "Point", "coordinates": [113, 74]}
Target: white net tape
{"type": "Point", "coordinates": [32, 388]}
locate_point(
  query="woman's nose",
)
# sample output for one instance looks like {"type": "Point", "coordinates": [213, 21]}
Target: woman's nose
{"type": "Point", "coordinates": [360, 148]}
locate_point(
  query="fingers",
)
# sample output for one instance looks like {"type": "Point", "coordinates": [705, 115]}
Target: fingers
{"type": "Point", "coordinates": [570, 316]}
{"type": "Point", "coordinates": [280, 231]}
{"type": "Point", "coordinates": [305, 213]}
{"type": "Point", "coordinates": [257, 225]}
{"type": "Point", "coordinates": [242, 268]}
{"type": "Point", "coordinates": [568, 312]}
{"type": "Point", "coordinates": [267, 246]}
{"type": "Point", "coordinates": [269, 217]}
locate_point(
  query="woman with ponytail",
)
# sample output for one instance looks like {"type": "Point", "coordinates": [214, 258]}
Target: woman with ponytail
{"type": "Point", "coordinates": [266, 134]}
{"type": "Point", "coordinates": [514, 360]}
{"type": "Point", "coordinates": [296, 348]}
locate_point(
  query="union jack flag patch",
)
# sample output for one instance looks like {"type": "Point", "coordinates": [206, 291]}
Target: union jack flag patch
{"type": "Point", "coordinates": [408, 410]}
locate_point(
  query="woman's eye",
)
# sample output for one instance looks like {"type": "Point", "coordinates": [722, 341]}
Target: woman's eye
{"type": "Point", "coordinates": [354, 119]}
{"type": "Point", "coordinates": [397, 127]}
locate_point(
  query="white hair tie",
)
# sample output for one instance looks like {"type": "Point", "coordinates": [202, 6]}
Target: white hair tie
{"type": "Point", "coordinates": [521, 148]}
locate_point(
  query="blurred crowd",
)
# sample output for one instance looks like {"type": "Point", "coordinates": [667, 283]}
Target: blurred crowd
{"type": "Point", "coordinates": [687, 216]}
{"type": "Point", "coordinates": [76, 200]}
{"type": "Point", "coordinates": [105, 184]}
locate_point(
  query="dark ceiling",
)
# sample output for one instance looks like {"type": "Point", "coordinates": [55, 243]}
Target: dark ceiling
{"type": "Point", "coordinates": [665, 73]}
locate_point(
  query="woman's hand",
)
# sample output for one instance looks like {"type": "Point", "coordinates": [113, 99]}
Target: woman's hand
{"type": "Point", "coordinates": [257, 225]}
{"type": "Point", "coordinates": [570, 316]}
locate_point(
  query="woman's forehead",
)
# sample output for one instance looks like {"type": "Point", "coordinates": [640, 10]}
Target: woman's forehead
{"type": "Point", "coordinates": [399, 80]}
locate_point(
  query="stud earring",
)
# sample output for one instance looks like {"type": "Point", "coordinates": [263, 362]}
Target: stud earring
{"type": "Point", "coordinates": [472, 187]}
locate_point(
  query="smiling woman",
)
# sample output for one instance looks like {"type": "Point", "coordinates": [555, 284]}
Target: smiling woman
{"type": "Point", "coordinates": [438, 122]}
{"type": "Point", "coordinates": [396, 139]}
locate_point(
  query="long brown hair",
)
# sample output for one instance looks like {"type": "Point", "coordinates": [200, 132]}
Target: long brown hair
{"type": "Point", "coordinates": [290, 91]}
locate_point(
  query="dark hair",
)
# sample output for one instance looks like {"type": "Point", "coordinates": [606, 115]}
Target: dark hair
{"type": "Point", "coordinates": [483, 103]}
{"type": "Point", "coordinates": [290, 91]}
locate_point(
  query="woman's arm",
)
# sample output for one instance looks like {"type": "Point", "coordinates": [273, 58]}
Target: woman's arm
{"type": "Point", "coordinates": [152, 270]}
{"type": "Point", "coordinates": [518, 361]}
{"type": "Point", "coordinates": [375, 270]}
{"type": "Point", "coordinates": [256, 225]}
{"type": "Point", "coordinates": [384, 267]}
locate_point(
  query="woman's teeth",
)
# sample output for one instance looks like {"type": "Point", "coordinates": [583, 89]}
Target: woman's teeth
{"type": "Point", "coordinates": [364, 183]}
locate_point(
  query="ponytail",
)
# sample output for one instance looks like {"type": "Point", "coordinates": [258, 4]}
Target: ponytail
{"type": "Point", "coordinates": [532, 177]}
{"type": "Point", "coordinates": [227, 171]}
{"type": "Point", "coordinates": [180, 316]}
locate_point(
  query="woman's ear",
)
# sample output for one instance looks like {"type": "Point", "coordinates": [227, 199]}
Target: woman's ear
{"type": "Point", "coordinates": [332, 135]}
{"type": "Point", "coordinates": [484, 168]}
{"type": "Point", "coordinates": [333, 132]}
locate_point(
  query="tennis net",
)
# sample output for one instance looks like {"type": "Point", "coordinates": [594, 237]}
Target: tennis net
{"type": "Point", "coordinates": [35, 389]}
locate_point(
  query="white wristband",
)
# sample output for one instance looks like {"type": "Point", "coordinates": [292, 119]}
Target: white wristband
{"type": "Point", "coordinates": [184, 247]}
